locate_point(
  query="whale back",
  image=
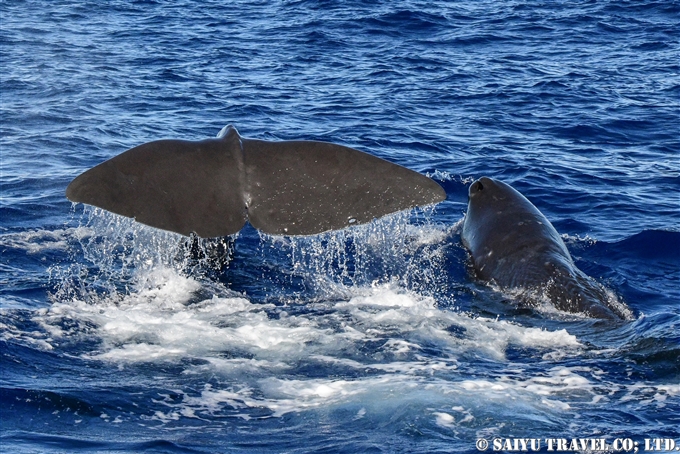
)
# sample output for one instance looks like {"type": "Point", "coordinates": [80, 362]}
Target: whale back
{"type": "Point", "coordinates": [507, 235]}
{"type": "Point", "coordinates": [513, 245]}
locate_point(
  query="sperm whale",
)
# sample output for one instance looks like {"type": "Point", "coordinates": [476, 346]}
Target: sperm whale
{"type": "Point", "coordinates": [211, 188]}
{"type": "Point", "coordinates": [513, 245]}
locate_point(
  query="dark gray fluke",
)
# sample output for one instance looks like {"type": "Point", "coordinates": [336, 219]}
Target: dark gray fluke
{"type": "Point", "coordinates": [515, 246]}
{"type": "Point", "coordinates": [214, 186]}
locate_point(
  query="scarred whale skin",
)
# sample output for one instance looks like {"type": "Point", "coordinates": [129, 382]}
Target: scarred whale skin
{"type": "Point", "coordinates": [515, 246]}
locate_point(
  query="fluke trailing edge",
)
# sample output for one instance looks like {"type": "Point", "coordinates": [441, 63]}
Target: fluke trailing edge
{"type": "Point", "coordinates": [212, 187]}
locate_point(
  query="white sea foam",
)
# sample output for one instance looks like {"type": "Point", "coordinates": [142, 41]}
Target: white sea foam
{"type": "Point", "coordinates": [251, 345]}
{"type": "Point", "coordinates": [158, 316]}
{"type": "Point", "coordinates": [39, 241]}
{"type": "Point", "coordinates": [375, 340]}
{"type": "Point", "coordinates": [9, 332]}
{"type": "Point", "coordinates": [372, 344]}
{"type": "Point", "coordinates": [461, 403]}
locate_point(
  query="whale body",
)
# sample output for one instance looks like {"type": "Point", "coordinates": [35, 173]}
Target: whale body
{"type": "Point", "coordinates": [513, 245]}
{"type": "Point", "coordinates": [211, 188]}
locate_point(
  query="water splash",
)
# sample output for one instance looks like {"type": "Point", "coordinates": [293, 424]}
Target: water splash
{"type": "Point", "coordinates": [404, 249]}
{"type": "Point", "coordinates": [114, 255]}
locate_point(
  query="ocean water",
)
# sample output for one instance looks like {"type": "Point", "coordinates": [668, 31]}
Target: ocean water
{"type": "Point", "coordinates": [372, 339]}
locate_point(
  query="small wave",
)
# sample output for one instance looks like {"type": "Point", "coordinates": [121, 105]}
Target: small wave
{"type": "Point", "coordinates": [659, 245]}
{"type": "Point", "coordinates": [48, 401]}
{"type": "Point", "coordinates": [401, 22]}
{"type": "Point", "coordinates": [652, 46]}
{"type": "Point", "coordinates": [38, 241]}
{"type": "Point", "coordinates": [590, 133]}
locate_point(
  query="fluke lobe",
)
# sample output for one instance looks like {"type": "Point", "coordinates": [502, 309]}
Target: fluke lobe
{"type": "Point", "coordinates": [513, 245]}
{"type": "Point", "coordinates": [212, 187]}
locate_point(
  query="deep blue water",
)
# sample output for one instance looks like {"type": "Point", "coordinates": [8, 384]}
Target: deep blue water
{"type": "Point", "coordinates": [375, 339]}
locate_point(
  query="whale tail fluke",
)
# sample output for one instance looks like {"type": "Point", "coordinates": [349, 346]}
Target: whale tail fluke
{"type": "Point", "coordinates": [213, 187]}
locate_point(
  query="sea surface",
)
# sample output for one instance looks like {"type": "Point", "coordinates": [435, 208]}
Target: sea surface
{"type": "Point", "coordinates": [113, 338]}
